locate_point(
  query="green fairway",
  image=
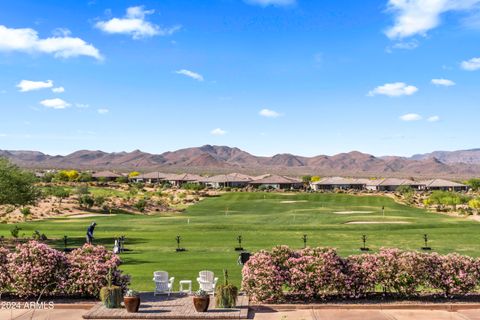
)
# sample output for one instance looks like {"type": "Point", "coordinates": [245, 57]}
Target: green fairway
{"type": "Point", "coordinates": [210, 228]}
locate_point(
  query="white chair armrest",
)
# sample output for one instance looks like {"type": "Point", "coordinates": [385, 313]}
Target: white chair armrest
{"type": "Point", "coordinates": [171, 279]}
{"type": "Point", "coordinates": [215, 280]}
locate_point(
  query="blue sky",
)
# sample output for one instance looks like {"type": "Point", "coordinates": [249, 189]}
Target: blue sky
{"type": "Point", "coordinates": [268, 76]}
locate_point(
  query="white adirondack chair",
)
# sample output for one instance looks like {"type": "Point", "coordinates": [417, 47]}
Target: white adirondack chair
{"type": "Point", "coordinates": [207, 281]}
{"type": "Point", "coordinates": [163, 284]}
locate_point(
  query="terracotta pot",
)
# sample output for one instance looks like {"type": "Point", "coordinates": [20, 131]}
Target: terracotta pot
{"type": "Point", "coordinates": [201, 303]}
{"type": "Point", "coordinates": [131, 303]}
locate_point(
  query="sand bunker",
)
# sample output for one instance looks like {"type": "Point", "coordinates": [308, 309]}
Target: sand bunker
{"type": "Point", "coordinates": [88, 215]}
{"type": "Point", "coordinates": [293, 201]}
{"type": "Point", "coordinates": [352, 212]}
{"type": "Point", "coordinates": [377, 222]}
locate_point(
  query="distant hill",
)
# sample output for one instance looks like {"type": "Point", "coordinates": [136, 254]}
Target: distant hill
{"type": "Point", "coordinates": [462, 156]}
{"type": "Point", "coordinates": [222, 159]}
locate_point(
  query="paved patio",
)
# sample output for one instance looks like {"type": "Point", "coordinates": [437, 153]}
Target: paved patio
{"type": "Point", "coordinates": [324, 314]}
{"type": "Point", "coordinates": [177, 306]}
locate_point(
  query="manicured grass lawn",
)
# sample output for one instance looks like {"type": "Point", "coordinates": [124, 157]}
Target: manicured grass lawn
{"type": "Point", "coordinates": [210, 228]}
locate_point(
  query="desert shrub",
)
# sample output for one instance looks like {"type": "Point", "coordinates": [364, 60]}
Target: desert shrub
{"type": "Point", "coordinates": [88, 269]}
{"type": "Point", "coordinates": [140, 205]}
{"type": "Point", "coordinates": [262, 281]}
{"type": "Point", "coordinates": [86, 201]}
{"type": "Point", "coordinates": [34, 268]}
{"type": "Point", "coordinates": [99, 201]}
{"type": "Point", "coordinates": [25, 211]}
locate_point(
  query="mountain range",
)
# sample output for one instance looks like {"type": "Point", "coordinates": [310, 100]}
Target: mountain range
{"type": "Point", "coordinates": [222, 159]}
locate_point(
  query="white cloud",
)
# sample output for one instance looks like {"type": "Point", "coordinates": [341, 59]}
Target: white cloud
{"type": "Point", "coordinates": [103, 111]}
{"type": "Point", "coordinates": [395, 89]}
{"type": "Point", "coordinates": [433, 119]}
{"type": "Point", "coordinates": [417, 17]}
{"type": "Point", "coordinates": [409, 45]}
{"type": "Point", "coordinates": [58, 89]}
{"type": "Point", "coordinates": [269, 113]}
{"type": "Point", "coordinates": [471, 65]}
{"type": "Point", "coordinates": [411, 117]}
{"type": "Point", "coordinates": [28, 85]}
{"type": "Point", "coordinates": [218, 132]}
{"type": "Point", "coordinates": [265, 3]}
{"type": "Point", "coordinates": [82, 105]}
{"type": "Point", "coordinates": [190, 74]}
{"type": "Point", "coordinates": [135, 25]}
{"type": "Point", "coordinates": [55, 103]}
{"type": "Point", "coordinates": [443, 82]}
{"type": "Point", "coordinates": [27, 40]}
{"type": "Point", "coordinates": [61, 32]}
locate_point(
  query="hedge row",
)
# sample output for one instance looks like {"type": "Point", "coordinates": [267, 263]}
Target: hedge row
{"type": "Point", "coordinates": [315, 273]}
{"type": "Point", "coordinates": [34, 268]}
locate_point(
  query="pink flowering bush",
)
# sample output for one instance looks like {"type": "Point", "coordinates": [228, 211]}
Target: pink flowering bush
{"type": "Point", "coordinates": [280, 255]}
{"type": "Point", "coordinates": [315, 273]}
{"type": "Point", "coordinates": [359, 278]}
{"type": "Point", "coordinates": [453, 273]}
{"type": "Point", "coordinates": [262, 280]}
{"type": "Point", "coordinates": [36, 268]}
{"type": "Point", "coordinates": [4, 275]}
{"type": "Point", "coordinates": [88, 269]}
{"type": "Point", "coordinates": [400, 271]}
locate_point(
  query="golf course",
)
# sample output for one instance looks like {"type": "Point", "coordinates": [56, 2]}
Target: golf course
{"type": "Point", "coordinates": [209, 231]}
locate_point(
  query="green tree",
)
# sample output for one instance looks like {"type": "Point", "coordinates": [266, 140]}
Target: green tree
{"type": "Point", "coordinates": [121, 179]}
{"type": "Point", "coordinates": [474, 184]}
{"type": "Point", "coordinates": [306, 179]}
{"type": "Point", "coordinates": [17, 186]}
{"type": "Point", "coordinates": [59, 193]}
{"type": "Point", "coordinates": [84, 177]}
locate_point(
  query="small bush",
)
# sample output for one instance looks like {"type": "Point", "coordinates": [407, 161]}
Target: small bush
{"type": "Point", "coordinates": [25, 211]}
{"type": "Point", "coordinates": [15, 231]}
{"type": "Point", "coordinates": [140, 205]}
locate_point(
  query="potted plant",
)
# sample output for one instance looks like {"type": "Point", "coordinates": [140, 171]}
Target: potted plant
{"type": "Point", "coordinates": [132, 301]}
{"type": "Point", "coordinates": [201, 301]}
{"type": "Point", "coordinates": [111, 295]}
{"type": "Point", "coordinates": [226, 294]}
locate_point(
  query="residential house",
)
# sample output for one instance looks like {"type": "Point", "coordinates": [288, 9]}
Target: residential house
{"type": "Point", "coordinates": [179, 179]}
{"type": "Point", "coordinates": [392, 184]}
{"type": "Point", "coordinates": [106, 176]}
{"type": "Point", "coordinates": [151, 177]}
{"type": "Point", "coordinates": [332, 183]}
{"type": "Point", "coordinates": [445, 185]}
{"type": "Point", "coordinates": [234, 180]}
{"type": "Point", "coordinates": [277, 182]}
